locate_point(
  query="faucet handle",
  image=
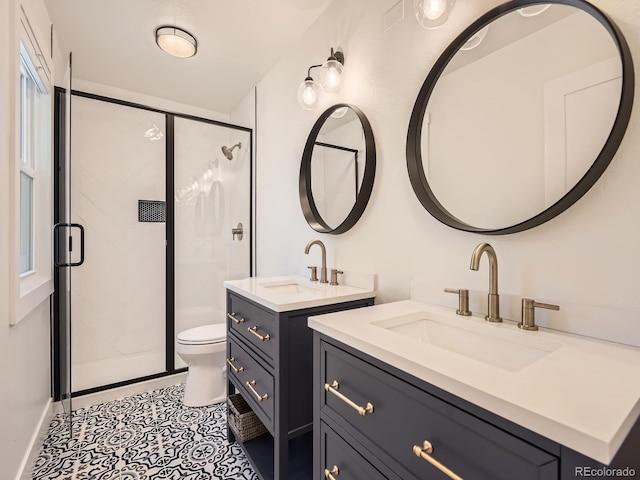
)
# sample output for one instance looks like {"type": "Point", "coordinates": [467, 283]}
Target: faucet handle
{"type": "Point", "coordinates": [314, 274]}
{"type": "Point", "coordinates": [463, 300]}
{"type": "Point", "coordinates": [528, 313]}
{"type": "Point", "coordinates": [334, 276]}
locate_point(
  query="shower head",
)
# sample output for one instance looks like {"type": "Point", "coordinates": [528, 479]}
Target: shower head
{"type": "Point", "coordinates": [228, 151]}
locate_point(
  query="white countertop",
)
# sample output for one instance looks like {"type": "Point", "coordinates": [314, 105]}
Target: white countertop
{"type": "Point", "coordinates": [286, 293]}
{"type": "Point", "coordinates": [584, 393]}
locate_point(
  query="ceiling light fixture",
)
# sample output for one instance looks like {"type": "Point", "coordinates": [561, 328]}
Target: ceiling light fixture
{"type": "Point", "coordinates": [329, 78]}
{"type": "Point", "coordinates": [176, 41]}
{"type": "Point", "coordinates": [432, 13]}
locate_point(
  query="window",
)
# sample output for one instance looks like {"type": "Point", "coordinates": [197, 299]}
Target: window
{"type": "Point", "coordinates": [33, 212]}
{"type": "Point", "coordinates": [31, 98]}
{"type": "Point", "coordinates": [26, 224]}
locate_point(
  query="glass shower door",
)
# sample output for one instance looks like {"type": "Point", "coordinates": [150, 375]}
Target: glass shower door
{"type": "Point", "coordinates": [118, 194]}
{"type": "Point", "coordinates": [212, 185]}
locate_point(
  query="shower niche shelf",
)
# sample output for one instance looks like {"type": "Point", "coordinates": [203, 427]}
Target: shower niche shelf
{"type": "Point", "coordinates": [271, 355]}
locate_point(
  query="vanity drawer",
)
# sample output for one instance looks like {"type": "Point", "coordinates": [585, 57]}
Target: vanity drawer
{"type": "Point", "coordinates": [404, 417]}
{"type": "Point", "coordinates": [254, 324]}
{"type": "Point", "coordinates": [247, 374]}
{"type": "Point", "coordinates": [336, 452]}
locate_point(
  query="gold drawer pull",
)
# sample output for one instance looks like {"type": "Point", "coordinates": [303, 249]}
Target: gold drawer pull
{"type": "Point", "coordinates": [258, 396]}
{"type": "Point", "coordinates": [262, 338]}
{"type": "Point", "coordinates": [330, 473]}
{"type": "Point", "coordinates": [235, 369]}
{"type": "Point", "coordinates": [425, 453]}
{"type": "Point", "coordinates": [333, 388]}
{"type": "Point", "coordinates": [233, 317]}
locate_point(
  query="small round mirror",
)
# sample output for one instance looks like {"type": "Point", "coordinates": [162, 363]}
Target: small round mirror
{"type": "Point", "coordinates": [337, 169]}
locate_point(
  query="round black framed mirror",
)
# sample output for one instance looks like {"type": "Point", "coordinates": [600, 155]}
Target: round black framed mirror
{"type": "Point", "coordinates": [337, 169]}
{"type": "Point", "coordinates": [520, 116]}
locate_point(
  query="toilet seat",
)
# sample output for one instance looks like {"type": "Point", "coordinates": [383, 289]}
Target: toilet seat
{"type": "Point", "coordinates": [205, 335]}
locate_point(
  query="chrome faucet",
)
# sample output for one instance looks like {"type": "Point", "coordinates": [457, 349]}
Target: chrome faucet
{"type": "Point", "coordinates": [493, 315]}
{"type": "Point", "coordinates": [323, 269]}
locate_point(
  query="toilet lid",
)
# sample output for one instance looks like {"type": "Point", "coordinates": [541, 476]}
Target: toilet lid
{"type": "Point", "coordinates": [215, 333]}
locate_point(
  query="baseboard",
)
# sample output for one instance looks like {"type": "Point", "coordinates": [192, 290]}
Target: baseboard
{"type": "Point", "coordinates": [39, 434]}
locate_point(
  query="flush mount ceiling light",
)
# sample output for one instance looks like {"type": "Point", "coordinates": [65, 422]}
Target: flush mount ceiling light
{"type": "Point", "coordinates": [432, 13]}
{"type": "Point", "coordinates": [176, 42]}
{"type": "Point", "coordinates": [329, 78]}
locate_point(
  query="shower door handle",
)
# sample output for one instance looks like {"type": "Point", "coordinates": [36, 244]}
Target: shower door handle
{"type": "Point", "coordinates": [237, 232]}
{"type": "Point", "coordinates": [56, 244]}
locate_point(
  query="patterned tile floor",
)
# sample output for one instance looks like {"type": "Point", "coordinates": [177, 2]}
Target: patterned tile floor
{"type": "Point", "coordinates": [143, 437]}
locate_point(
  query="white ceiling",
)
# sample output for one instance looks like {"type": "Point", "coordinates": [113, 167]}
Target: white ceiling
{"type": "Point", "coordinates": [238, 42]}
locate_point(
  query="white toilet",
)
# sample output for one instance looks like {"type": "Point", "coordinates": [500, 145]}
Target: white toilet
{"type": "Point", "coordinates": [203, 349]}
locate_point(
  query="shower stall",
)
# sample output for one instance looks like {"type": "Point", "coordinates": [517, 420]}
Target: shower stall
{"type": "Point", "coordinates": [162, 198]}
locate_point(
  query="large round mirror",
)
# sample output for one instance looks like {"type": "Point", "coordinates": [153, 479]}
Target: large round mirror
{"type": "Point", "coordinates": [520, 116]}
{"type": "Point", "coordinates": [337, 170]}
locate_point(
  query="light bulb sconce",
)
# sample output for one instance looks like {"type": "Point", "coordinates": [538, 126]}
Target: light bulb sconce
{"type": "Point", "coordinates": [432, 13]}
{"type": "Point", "coordinates": [329, 79]}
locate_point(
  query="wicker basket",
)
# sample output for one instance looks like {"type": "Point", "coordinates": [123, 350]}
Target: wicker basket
{"type": "Point", "coordinates": [242, 420]}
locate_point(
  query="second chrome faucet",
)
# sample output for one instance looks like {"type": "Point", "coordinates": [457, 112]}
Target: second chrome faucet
{"type": "Point", "coordinates": [493, 314]}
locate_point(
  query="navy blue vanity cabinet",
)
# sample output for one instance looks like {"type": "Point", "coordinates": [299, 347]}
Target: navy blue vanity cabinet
{"type": "Point", "coordinates": [400, 416]}
{"type": "Point", "coordinates": [270, 363]}
{"type": "Point", "coordinates": [343, 461]}
{"type": "Point", "coordinates": [368, 411]}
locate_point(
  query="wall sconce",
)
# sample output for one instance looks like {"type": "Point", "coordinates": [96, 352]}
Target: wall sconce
{"type": "Point", "coordinates": [432, 13]}
{"type": "Point", "coordinates": [176, 42]}
{"type": "Point", "coordinates": [329, 79]}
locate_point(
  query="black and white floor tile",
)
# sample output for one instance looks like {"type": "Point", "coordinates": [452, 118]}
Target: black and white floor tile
{"type": "Point", "coordinates": [143, 437]}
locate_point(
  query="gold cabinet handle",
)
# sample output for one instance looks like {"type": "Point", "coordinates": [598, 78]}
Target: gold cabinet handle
{"type": "Point", "coordinates": [330, 473]}
{"type": "Point", "coordinates": [233, 317]}
{"type": "Point", "coordinates": [262, 338]}
{"type": "Point", "coordinates": [333, 388]}
{"type": "Point", "coordinates": [425, 452]}
{"type": "Point", "coordinates": [235, 369]}
{"type": "Point", "coordinates": [258, 396]}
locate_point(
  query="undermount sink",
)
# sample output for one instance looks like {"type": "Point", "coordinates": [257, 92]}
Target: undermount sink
{"type": "Point", "coordinates": [290, 287]}
{"type": "Point", "coordinates": [501, 347]}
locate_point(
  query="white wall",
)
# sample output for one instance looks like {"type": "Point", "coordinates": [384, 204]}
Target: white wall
{"type": "Point", "coordinates": [24, 348]}
{"type": "Point", "coordinates": [584, 257]}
